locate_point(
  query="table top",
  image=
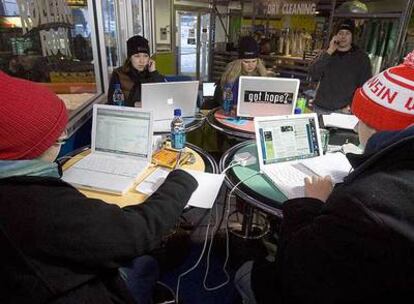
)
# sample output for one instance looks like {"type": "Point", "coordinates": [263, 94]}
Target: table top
{"type": "Point", "coordinates": [203, 162]}
{"type": "Point", "coordinates": [258, 191]}
{"type": "Point", "coordinates": [243, 129]}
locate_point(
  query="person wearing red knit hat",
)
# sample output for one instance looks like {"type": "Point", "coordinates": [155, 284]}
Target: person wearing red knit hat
{"type": "Point", "coordinates": [58, 246]}
{"type": "Point", "coordinates": [353, 243]}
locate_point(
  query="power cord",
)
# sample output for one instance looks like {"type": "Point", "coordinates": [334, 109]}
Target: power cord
{"type": "Point", "coordinates": [227, 208]}
{"type": "Point", "coordinates": [198, 261]}
{"type": "Point", "coordinates": [240, 161]}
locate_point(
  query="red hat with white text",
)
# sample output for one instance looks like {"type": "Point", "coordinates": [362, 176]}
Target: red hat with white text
{"type": "Point", "coordinates": [386, 101]}
{"type": "Point", "coordinates": [32, 118]}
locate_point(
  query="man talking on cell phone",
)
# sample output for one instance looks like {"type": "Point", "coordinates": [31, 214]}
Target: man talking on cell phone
{"type": "Point", "coordinates": [340, 70]}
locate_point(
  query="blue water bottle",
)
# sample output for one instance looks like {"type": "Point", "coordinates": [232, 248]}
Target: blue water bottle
{"type": "Point", "coordinates": [227, 99]}
{"type": "Point", "coordinates": [118, 96]}
{"type": "Point", "coordinates": [177, 131]}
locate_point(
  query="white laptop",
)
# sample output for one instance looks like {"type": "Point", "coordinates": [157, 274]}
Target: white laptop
{"type": "Point", "coordinates": [289, 149]}
{"type": "Point", "coordinates": [163, 97]}
{"type": "Point", "coordinates": [121, 150]}
{"type": "Point", "coordinates": [266, 96]}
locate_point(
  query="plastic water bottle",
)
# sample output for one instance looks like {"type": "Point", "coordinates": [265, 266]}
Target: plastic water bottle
{"type": "Point", "coordinates": [227, 99]}
{"type": "Point", "coordinates": [301, 104]}
{"type": "Point", "coordinates": [177, 131]}
{"type": "Point", "coordinates": [118, 96]}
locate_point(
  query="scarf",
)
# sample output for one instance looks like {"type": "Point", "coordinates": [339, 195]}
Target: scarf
{"type": "Point", "coordinates": [32, 167]}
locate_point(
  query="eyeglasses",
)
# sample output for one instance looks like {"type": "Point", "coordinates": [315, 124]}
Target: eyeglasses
{"type": "Point", "coordinates": [60, 142]}
{"type": "Point", "coordinates": [62, 139]}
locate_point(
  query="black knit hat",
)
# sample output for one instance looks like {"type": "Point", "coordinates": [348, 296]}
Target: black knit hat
{"type": "Point", "coordinates": [346, 25]}
{"type": "Point", "coordinates": [248, 48]}
{"type": "Point", "coordinates": [137, 44]}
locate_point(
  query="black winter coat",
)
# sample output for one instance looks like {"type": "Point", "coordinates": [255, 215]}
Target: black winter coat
{"type": "Point", "coordinates": [57, 246]}
{"type": "Point", "coordinates": [358, 247]}
{"type": "Point", "coordinates": [340, 74]}
{"type": "Point", "coordinates": [131, 83]}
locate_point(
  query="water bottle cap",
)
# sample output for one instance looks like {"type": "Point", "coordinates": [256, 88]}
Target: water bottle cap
{"type": "Point", "coordinates": [177, 112]}
{"type": "Point", "coordinates": [298, 110]}
{"type": "Point", "coordinates": [117, 86]}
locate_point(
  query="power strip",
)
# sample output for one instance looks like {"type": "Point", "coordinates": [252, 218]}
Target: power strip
{"type": "Point", "coordinates": [244, 159]}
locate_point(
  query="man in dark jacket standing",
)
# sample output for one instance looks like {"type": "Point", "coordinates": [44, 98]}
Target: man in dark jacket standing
{"type": "Point", "coordinates": [340, 70]}
{"type": "Point", "coordinates": [353, 243]}
{"type": "Point", "coordinates": [58, 246]}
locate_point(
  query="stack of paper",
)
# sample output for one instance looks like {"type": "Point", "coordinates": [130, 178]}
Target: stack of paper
{"type": "Point", "coordinates": [338, 120]}
{"type": "Point", "coordinates": [335, 165]}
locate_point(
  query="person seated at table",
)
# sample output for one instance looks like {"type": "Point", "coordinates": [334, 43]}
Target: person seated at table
{"type": "Point", "coordinates": [139, 68]}
{"type": "Point", "coordinates": [248, 64]}
{"type": "Point", "coordinates": [353, 243]}
{"type": "Point", "coordinates": [57, 245]}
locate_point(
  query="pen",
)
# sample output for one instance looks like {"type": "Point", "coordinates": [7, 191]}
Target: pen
{"type": "Point", "coordinates": [178, 159]}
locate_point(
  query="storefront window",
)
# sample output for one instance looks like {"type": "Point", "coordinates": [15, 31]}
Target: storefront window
{"type": "Point", "coordinates": [111, 33]}
{"type": "Point", "coordinates": [137, 17]}
{"type": "Point", "coordinates": [50, 42]}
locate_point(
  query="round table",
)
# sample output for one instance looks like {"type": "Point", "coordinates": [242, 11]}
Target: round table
{"type": "Point", "coordinates": [257, 191]}
{"type": "Point", "coordinates": [231, 126]}
{"type": "Point", "coordinates": [203, 162]}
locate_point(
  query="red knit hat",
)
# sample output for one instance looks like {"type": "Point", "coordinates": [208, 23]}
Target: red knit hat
{"type": "Point", "coordinates": [386, 101]}
{"type": "Point", "coordinates": [31, 118]}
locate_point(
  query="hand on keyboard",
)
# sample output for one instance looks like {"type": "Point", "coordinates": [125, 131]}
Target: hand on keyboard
{"type": "Point", "coordinates": [318, 187]}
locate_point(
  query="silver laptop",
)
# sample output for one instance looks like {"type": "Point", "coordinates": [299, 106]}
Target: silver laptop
{"type": "Point", "coordinates": [282, 143]}
{"type": "Point", "coordinates": [163, 97]}
{"type": "Point", "coordinates": [266, 96]}
{"type": "Point", "coordinates": [121, 150]}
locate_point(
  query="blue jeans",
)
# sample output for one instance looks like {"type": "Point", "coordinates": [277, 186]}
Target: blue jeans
{"type": "Point", "coordinates": [140, 276]}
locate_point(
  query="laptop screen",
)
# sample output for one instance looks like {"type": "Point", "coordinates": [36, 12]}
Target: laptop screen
{"type": "Point", "coordinates": [123, 132]}
{"type": "Point", "coordinates": [208, 89]}
{"type": "Point", "coordinates": [266, 96]}
{"type": "Point", "coordinates": [163, 97]}
{"type": "Point", "coordinates": [288, 139]}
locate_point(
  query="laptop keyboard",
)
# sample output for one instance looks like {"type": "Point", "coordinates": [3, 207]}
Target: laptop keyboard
{"type": "Point", "coordinates": [112, 165]}
{"type": "Point", "coordinates": [286, 175]}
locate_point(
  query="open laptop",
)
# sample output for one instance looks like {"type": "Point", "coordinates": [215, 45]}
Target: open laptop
{"type": "Point", "coordinates": [289, 149]}
{"type": "Point", "coordinates": [121, 150]}
{"type": "Point", "coordinates": [266, 96]}
{"type": "Point", "coordinates": [163, 97]}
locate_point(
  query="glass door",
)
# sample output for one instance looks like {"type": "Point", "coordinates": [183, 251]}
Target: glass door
{"type": "Point", "coordinates": [187, 24]}
{"type": "Point", "coordinates": [204, 45]}
{"type": "Point", "coordinates": [192, 43]}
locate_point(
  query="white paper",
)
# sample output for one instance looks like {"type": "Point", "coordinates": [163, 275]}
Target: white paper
{"type": "Point", "coordinates": [335, 165]}
{"type": "Point", "coordinates": [209, 185]}
{"type": "Point", "coordinates": [338, 120]}
{"type": "Point", "coordinates": [204, 196]}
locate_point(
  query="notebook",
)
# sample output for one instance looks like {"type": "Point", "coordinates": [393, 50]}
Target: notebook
{"type": "Point", "coordinates": [162, 98]}
{"type": "Point", "coordinates": [266, 96]}
{"type": "Point", "coordinates": [121, 150]}
{"type": "Point", "coordinates": [289, 149]}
